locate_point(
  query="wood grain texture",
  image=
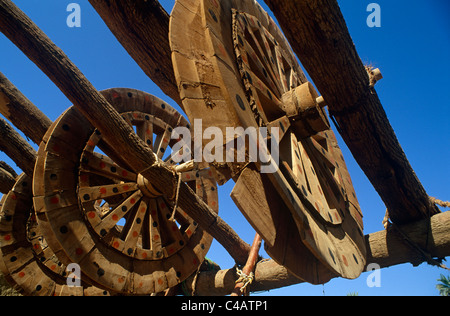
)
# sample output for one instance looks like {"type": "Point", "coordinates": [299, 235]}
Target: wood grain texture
{"type": "Point", "coordinates": [17, 148]}
{"type": "Point", "coordinates": [7, 178]}
{"type": "Point", "coordinates": [386, 248]}
{"type": "Point", "coordinates": [319, 36]}
{"type": "Point", "coordinates": [69, 79]}
{"type": "Point", "coordinates": [21, 112]}
{"type": "Point", "coordinates": [142, 27]}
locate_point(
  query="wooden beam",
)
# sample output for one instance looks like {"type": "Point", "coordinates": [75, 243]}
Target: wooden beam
{"type": "Point", "coordinates": [21, 112]}
{"type": "Point", "coordinates": [121, 136]}
{"type": "Point", "coordinates": [7, 178]}
{"type": "Point", "coordinates": [17, 148]}
{"type": "Point", "coordinates": [385, 248]}
{"type": "Point", "coordinates": [142, 27]}
{"type": "Point", "coordinates": [319, 36]}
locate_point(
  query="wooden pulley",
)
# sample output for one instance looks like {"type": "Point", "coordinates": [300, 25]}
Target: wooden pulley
{"type": "Point", "coordinates": [120, 229]}
{"type": "Point", "coordinates": [28, 263]}
{"type": "Point", "coordinates": [235, 68]}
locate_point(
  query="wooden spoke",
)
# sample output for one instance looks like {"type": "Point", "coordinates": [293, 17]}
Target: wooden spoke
{"type": "Point", "coordinates": [87, 194]}
{"type": "Point", "coordinates": [163, 142]}
{"type": "Point", "coordinates": [29, 263]}
{"type": "Point", "coordinates": [104, 166]}
{"type": "Point", "coordinates": [259, 40]}
{"type": "Point", "coordinates": [252, 58]}
{"type": "Point", "coordinates": [114, 223]}
{"type": "Point", "coordinates": [145, 131]}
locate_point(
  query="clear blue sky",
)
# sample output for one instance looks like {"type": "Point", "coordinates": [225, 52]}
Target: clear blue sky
{"type": "Point", "coordinates": [412, 49]}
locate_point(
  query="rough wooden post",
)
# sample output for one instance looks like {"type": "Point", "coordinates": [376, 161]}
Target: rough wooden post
{"type": "Point", "coordinates": [241, 287]}
{"type": "Point", "coordinates": [319, 36]}
{"type": "Point", "coordinates": [16, 107]}
{"type": "Point", "coordinates": [7, 178]}
{"type": "Point", "coordinates": [57, 66]}
{"type": "Point", "coordinates": [142, 27]}
{"type": "Point", "coordinates": [17, 148]}
{"type": "Point", "coordinates": [386, 248]}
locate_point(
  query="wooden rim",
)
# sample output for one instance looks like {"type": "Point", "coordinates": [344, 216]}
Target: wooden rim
{"type": "Point", "coordinates": [252, 68]}
{"type": "Point", "coordinates": [155, 248]}
{"type": "Point", "coordinates": [28, 263]}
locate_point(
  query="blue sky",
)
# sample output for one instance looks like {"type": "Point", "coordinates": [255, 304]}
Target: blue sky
{"type": "Point", "coordinates": [412, 49]}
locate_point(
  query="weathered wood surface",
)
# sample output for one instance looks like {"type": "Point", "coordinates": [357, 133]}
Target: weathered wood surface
{"type": "Point", "coordinates": [319, 36]}
{"type": "Point", "coordinates": [21, 112]}
{"type": "Point", "coordinates": [116, 131]}
{"type": "Point", "coordinates": [385, 248]}
{"type": "Point", "coordinates": [142, 27]}
{"type": "Point", "coordinates": [242, 286]}
{"type": "Point", "coordinates": [7, 178]}
{"type": "Point", "coordinates": [17, 148]}
{"type": "Point", "coordinates": [375, 146]}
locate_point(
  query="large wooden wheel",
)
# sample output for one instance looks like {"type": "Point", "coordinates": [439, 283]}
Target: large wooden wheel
{"type": "Point", "coordinates": [27, 262]}
{"type": "Point", "coordinates": [124, 234]}
{"type": "Point", "coordinates": [235, 68]}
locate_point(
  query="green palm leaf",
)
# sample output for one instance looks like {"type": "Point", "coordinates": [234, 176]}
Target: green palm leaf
{"type": "Point", "coordinates": [444, 287]}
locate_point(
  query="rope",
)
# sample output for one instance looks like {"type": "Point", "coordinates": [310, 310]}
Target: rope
{"type": "Point", "coordinates": [439, 202]}
{"type": "Point", "coordinates": [176, 195]}
{"type": "Point", "coordinates": [426, 255]}
{"type": "Point", "coordinates": [244, 278]}
{"type": "Point", "coordinates": [428, 258]}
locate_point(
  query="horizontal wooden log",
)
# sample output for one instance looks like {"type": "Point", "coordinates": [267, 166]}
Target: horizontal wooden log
{"type": "Point", "coordinates": [385, 248]}
{"type": "Point", "coordinates": [319, 36]}
{"type": "Point", "coordinates": [142, 27]}
{"type": "Point", "coordinates": [21, 112]}
{"type": "Point", "coordinates": [121, 136]}
{"type": "Point", "coordinates": [17, 148]}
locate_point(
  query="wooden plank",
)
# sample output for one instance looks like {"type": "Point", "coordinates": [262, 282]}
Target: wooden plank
{"type": "Point", "coordinates": [252, 192]}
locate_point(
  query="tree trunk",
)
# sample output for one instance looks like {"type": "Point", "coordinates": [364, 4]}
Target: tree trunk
{"type": "Point", "coordinates": [142, 27]}
{"type": "Point", "coordinates": [385, 248]}
{"type": "Point", "coordinates": [319, 36]}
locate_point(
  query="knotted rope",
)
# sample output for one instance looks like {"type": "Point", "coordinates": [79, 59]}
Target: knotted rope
{"type": "Point", "coordinates": [244, 278]}
{"type": "Point", "coordinates": [424, 253]}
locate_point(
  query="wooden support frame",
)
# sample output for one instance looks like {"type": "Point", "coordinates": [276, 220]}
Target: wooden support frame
{"type": "Point", "coordinates": [375, 148]}
{"type": "Point", "coordinates": [15, 106]}
{"type": "Point", "coordinates": [57, 66]}
{"type": "Point", "coordinates": [7, 178]}
{"type": "Point", "coordinates": [17, 148]}
{"type": "Point", "coordinates": [401, 175]}
{"type": "Point", "coordinates": [142, 28]}
{"type": "Point", "coordinates": [386, 248]}
{"type": "Point", "coordinates": [319, 36]}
